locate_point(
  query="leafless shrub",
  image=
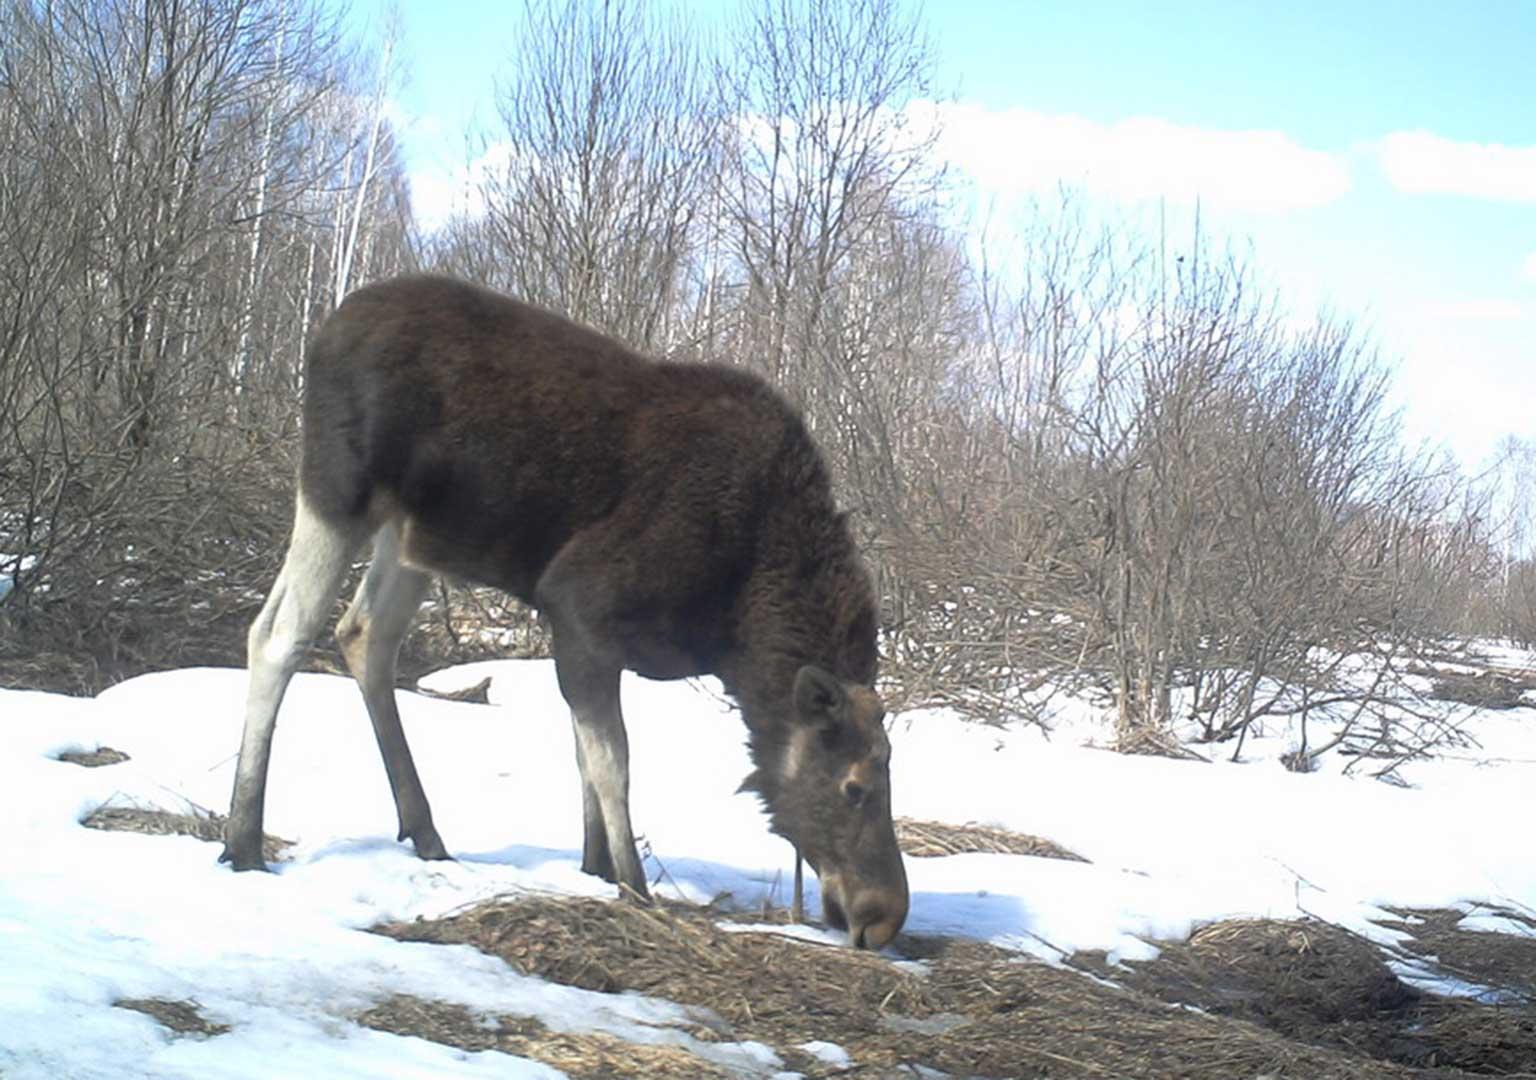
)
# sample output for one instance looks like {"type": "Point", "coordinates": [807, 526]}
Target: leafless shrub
{"type": "Point", "coordinates": [1089, 463]}
{"type": "Point", "coordinates": [175, 184]}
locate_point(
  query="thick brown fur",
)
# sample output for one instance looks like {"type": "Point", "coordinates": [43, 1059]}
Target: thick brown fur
{"type": "Point", "coordinates": [699, 481]}
{"type": "Point", "coordinates": [669, 519]}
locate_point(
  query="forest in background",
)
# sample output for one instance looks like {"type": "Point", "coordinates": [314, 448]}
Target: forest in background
{"type": "Point", "coordinates": [1074, 457]}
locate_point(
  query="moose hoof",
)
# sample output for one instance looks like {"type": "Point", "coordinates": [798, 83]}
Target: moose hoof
{"type": "Point", "coordinates": [240, 857]}
{"type": "Point", "coordinates": [429, 846]}
{"type": "Point", "coordinates": [641, 896]}
{"type": "Point", "coordinates": [602, 869]}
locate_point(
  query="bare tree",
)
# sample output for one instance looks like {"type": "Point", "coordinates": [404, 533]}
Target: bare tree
{"type": "Point", "coordinates": [823, 156]}
{"type": "Point", "coordinates": [158, 201]}
{"type": "Point", "coordinates": [605, 152]}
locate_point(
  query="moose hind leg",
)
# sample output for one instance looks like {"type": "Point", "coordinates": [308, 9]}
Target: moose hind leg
{"type": "Point", "coordinates": [318, 555]}
{"type": "Point", "coordinates": [370, 634]}
{"type": "Point", "coordinates": [596, 858]}
{"type": "Point", "coordinates": [591, 688]}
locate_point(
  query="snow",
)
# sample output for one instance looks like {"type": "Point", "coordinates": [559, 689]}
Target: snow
{"type": "Point", "coordinates": [828, 1053]}
{"type": "Point", "coordinates": [88, 918]}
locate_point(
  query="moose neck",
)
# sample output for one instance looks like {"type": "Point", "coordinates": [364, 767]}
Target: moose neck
{"type": "Point", "coordinates": [813, 605]}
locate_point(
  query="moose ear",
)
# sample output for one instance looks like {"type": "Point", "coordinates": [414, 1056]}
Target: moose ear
{"type": "Point", "coordinates": [819, 697]}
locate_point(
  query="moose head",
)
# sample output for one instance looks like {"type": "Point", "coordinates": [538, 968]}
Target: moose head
{"type": "Point", "coordinates": [827, 788]}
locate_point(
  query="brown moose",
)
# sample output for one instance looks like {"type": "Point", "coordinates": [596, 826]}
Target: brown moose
{"type": "Point", "coordinates": [671, 519]}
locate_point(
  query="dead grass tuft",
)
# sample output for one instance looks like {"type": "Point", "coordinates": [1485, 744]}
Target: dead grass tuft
{"type": "Point", "coordinates": [1308, 980]}
{"type": "Point", "coordinates": [182, 1017]}
{"type": "Point", "coordinates": [478, 694]}
{"type": "Point", "coordinates": [612, 947]}
{"type": "Point", "coordinates": [1321, 984]}
{"type": "Point", "coordinates": [584, 1056]}
{"type": "Point", "coordinates": [974, 1010]}
{"type": "Point", "coordinates": [1154, 742]}
{"type": "Point", "coordinates": [930, 839]}
{"type": "Point", "coordinates": [94, 759]}
{"type": "Point", "coordinates": [1489, 1040]}
{"type": "Point", "coordinates": [198, 823]}
{"type": "Point", "coordinates": [1483, 689]}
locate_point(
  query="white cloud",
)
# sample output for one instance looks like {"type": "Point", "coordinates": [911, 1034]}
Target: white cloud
{"type": "Point", "coordinates": [1020, 151]}
{"type": "Point", "coordinates": [440, 192]}
{"type": "Point", "coordinates": [1477, 310]}
{"type": "Point", "coordinates": [1420, 162]}
{"type": "Point", "coordinates": [1528, 268]}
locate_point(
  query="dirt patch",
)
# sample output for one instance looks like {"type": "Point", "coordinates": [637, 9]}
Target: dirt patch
{"type": "Point", "coordinates": [199, 824]}
{"type": "Point", "coordinates": [1504, 963]}
{"type": "Point", "coordinates": [1307, 980]}
{"type": "Point", "coordinates": [1496, 1032]}
{"type": "Point", "coordinates": [930, 839]}
{"type": "Point", "coordinates": [967, 1009]}
{"type": "Point", "coordinates": [1320, 984]}
{"type": "Point", "coordinates": [94, 759]}
{"type": "Point", "coordinates": [586, 1056]}
{"type": "Point", "coordinates": [182, 1017]}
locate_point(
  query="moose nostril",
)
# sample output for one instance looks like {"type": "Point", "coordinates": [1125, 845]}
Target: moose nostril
{"type": "Point", "coordinates": [854, 792]}
{"type": "Point", "coordinates": [874, 924]}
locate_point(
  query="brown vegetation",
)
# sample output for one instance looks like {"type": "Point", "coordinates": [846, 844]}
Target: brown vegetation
{"type": "Point", "coordinates": [197, 823]}
{"type": "Point", "coordinates": [930, 839]}
{"type": "Point", "coordinates": [580, 1055]}
{"type": "Point", "coordinates": [181, 1017]}
{"type": "Point", "coordinates": [1277, 999]}
{"type": "Point", "coordinates": [94, 759]}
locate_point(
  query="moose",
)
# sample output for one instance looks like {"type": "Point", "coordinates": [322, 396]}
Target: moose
{"type": "Point", "coordinates": [671, 519]}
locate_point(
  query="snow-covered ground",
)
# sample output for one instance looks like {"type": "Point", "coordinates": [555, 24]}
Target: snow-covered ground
{"type": "Point", "coordinates": [88, 917]}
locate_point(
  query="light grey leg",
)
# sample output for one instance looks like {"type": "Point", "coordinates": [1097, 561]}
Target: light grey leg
{"type": "Point", "coordinates": [591, 688]}
{"type": "Point", "coordinates": [319, 553]}
{"type": "Point", "coordinates": [595, 856]}
{"type": "Point", "coordinates": [370, 634]}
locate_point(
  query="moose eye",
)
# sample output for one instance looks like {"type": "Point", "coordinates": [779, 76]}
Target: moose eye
{"type": "Point", "coordinates": [854, 792]}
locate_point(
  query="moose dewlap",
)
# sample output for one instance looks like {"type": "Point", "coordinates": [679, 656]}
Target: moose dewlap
{"type": "Point", "coordinates": [671, 519]}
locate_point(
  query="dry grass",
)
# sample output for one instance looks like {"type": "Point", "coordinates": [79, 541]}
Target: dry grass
{"type": "Point", "coordinates": [584, 1056]}
{"type": "Point", "coordinates": [182, 1017]}
{"type": "Point", "coordinates": [930, 839]}
{"type": "Point", "coordinates": [1482, 690]}
{"type": "Point", "coordinates": [1308, 980]}
{"type": "Point", "coordinates": [1318, 983]}
{"type": "Point", "coordinates": [478, 694]}
{"type": "Point", "coordinates": [1496, 1035]}
{"type": "Point", "coordinates": [1154, 742]}
{"type": "Point", "coordinates": [975, 1010]}
{"type": "Point", "coordinates": [1504, 963]}
{"type": "Point", "coordinates": [198, 823]}
{"type": "Point", "coordinates": [767, 980]}
{"type": "Point", "coordinates": [94, 759]}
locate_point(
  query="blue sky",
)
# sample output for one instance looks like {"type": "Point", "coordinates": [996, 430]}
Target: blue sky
{"type": "Point", "coordinates": [1375, 158]}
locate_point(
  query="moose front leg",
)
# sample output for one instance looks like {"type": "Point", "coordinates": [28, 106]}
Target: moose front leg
{"type": "Point", "coordinates": [596, 858]}
{"type": "Point", "coordinates": [591, 688]}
